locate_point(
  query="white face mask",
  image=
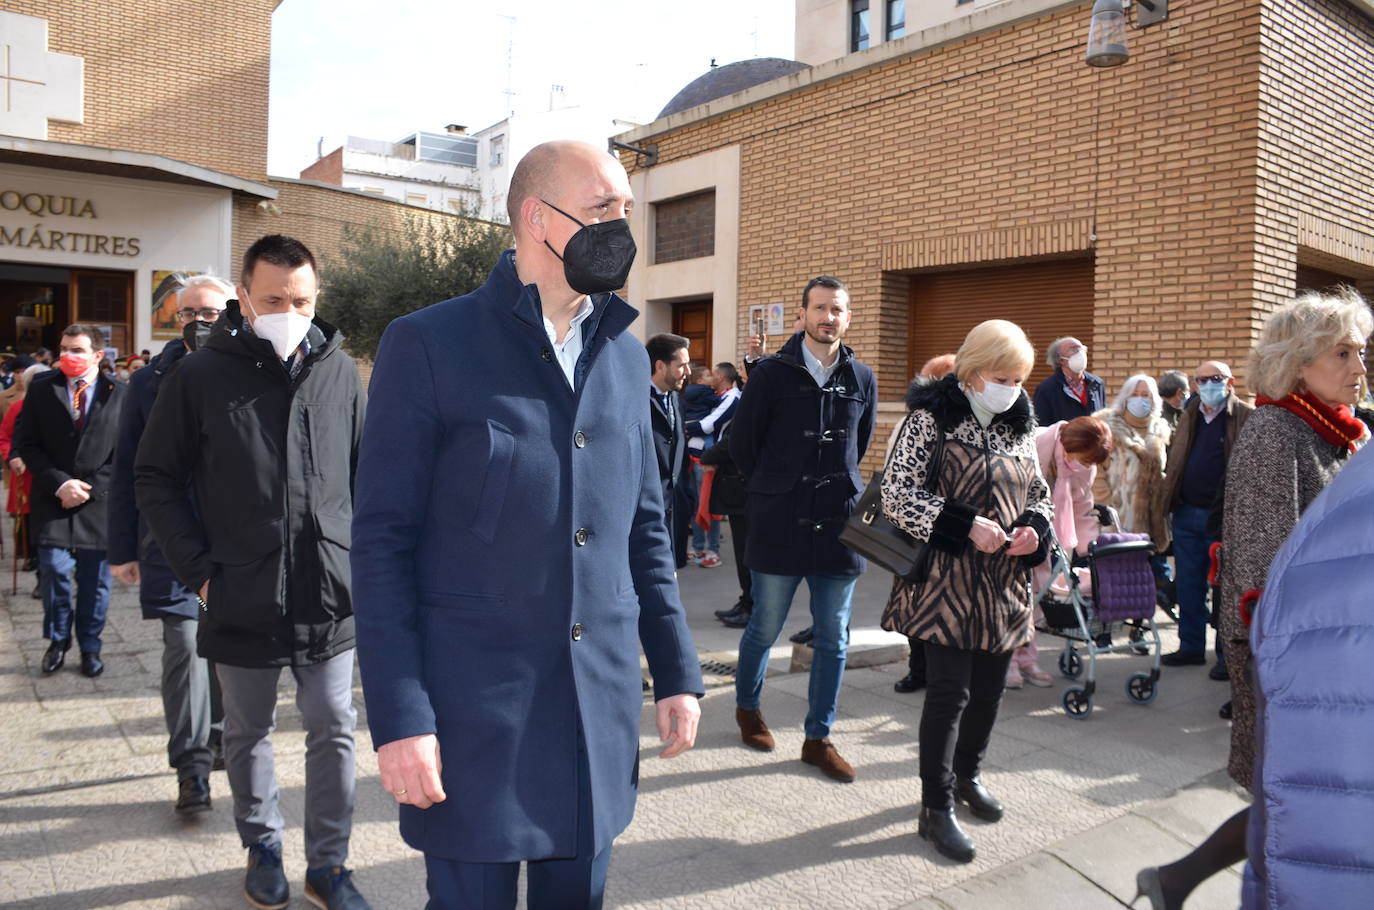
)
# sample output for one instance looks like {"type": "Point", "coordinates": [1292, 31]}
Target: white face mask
{"type": "Point", "coordinates": [995, 398]}
{"type": "Point", "coordinates": [1079, 362]}
{"type": "Point", "coordinates": [284, 331]}
{"type": "Point", "coordinates": [1140, 405]}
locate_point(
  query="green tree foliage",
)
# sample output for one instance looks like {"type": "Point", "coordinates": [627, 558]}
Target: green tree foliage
{"type": "Point", "coordinates": [380, 275]}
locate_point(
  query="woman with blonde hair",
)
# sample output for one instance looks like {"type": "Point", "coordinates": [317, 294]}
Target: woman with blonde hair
{"type": "Point", "coordinates": [963, 477]}
{"type": "Point", "coordinates": [1309, 371]}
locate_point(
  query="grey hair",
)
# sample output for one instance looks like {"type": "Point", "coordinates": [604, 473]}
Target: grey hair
{"type": "Point", "coordinates": [29, 372]}
{"type": "Point", "coordinates": [218, 284]}
{"type": "Point", "coordinates": [1128, 391]}
{"type": "Point", "coordinates": [1052, 355]}
{"type": "Point", "coordinates": [1299, 332]}
{"type": "Point", "coordinates": [1171, 382]}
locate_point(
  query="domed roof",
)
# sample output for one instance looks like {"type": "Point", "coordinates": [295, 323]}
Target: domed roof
{"type": "Point", "coordinates": [720, 81]}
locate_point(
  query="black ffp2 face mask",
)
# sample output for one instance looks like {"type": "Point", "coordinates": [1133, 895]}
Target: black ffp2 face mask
{"type": "Point", "coordinates": [195, 333]}
{"type": "Point", "coordinates": [598, 257]}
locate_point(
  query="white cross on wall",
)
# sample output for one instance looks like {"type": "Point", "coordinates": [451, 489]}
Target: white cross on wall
{"type": "Point", "coordinates": [38, 85]}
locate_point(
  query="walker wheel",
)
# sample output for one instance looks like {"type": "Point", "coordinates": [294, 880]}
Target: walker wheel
{"type": "Point", "coordinates": [1141, 689]}
{"type": "Point", "coordinates": [1070, 664]}
{"type": "Point", "coordinates": [1078, 704]}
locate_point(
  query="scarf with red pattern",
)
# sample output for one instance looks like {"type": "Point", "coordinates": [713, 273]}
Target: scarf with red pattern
{"type": "Point", "coordinates": [1338, 426]}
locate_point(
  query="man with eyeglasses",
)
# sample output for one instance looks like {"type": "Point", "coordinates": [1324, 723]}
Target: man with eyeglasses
{"type": "Point", "coordinates": [190, 691]}
{"type": "Point", "coordinates": [1195, 476]}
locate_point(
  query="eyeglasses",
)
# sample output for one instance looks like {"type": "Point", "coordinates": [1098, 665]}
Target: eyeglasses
{"type": "Point", "coordinates": [204, 314]}
{"type": "Point", "coordinates": [1215, 377]}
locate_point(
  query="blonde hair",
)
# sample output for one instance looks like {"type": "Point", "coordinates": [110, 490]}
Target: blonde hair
{"type": "Point", "coordinates": [992, 344]}
{"type": "Point", "coordinates": [1299, 332]}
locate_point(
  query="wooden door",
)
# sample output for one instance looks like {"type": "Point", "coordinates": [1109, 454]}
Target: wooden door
{"type": "Point", "coordinates": [105, 299]}
{"type": "Point", "coordinates": [692, 320]}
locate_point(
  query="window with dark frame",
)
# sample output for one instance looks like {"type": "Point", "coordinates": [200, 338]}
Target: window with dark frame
{"type": "Point", "coordinates": [858, 25]}
{"type": "Point", "coordinates": [896, 19]}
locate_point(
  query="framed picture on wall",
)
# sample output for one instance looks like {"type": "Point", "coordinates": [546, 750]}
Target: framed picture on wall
{"type": "Point", "coordinates": [166, 301]}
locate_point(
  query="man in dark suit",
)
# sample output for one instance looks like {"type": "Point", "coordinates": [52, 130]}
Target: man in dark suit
{"type": "Point", "coordinates": [670, 365]}
{"type": "Point", "coordinates": [66, 436]}
{"type": "Point", "coordinates": [191, 701]}
{"type": "Point", "coordinates": [510, 556]}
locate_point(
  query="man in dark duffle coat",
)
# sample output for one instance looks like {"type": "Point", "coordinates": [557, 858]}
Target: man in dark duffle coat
{"type": "Point", "coordinates": [510, 556]}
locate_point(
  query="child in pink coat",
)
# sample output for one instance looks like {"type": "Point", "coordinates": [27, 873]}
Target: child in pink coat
{"type": "Point", "coordinates": [1069, 453]}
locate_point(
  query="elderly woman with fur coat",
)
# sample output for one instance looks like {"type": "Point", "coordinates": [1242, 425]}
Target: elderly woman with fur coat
{"type": "Point", "coordinates": [1131, 480]}
{"type": "Point", "coordinates": [963, 477]}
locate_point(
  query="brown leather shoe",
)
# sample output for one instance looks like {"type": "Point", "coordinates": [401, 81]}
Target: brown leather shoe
{"type": "Point", "coordinates": [753, 730]}
{"type": "Point", "coordinates": [822, 754]}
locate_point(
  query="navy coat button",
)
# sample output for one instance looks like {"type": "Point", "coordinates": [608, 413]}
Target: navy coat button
{"type": "Point", "coordinates": [580, 538]}
{"type": "Point", "coordinates": [580, 439]}
{"type": "Point", "coordinates": [547, 355]}
{"type": "Point", "coordinates": [577, 631]}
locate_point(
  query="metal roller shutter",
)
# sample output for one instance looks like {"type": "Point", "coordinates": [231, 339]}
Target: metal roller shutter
{"type": "Point", "coordinates": [1046, 299]}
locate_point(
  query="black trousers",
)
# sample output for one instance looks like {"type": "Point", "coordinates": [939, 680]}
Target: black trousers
{"type": "Point", "coordinates": [963, 693]}
{"type": "Point", "coordinates": [739, 533]}
{"type": "Point", "coordinates": [916, 663]}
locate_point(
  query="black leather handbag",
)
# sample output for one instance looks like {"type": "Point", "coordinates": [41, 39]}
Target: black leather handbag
{"type": "Point", "coordinates": [869, 533]}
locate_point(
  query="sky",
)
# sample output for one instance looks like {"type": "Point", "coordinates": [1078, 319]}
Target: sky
{"type": "Point", "coordinates": [385, 69]}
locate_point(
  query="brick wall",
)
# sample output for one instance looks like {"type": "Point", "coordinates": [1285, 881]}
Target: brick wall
{"type": "Point", "coordinates": [685, 228]}
{"type": "Point", "coordinates": [328, 169]}
{"type": "Point", "coordinates": [1006, 147]}
{"type": "Point", "coordinates": [1316, 199]}
{"type": "Point", "coordinates": [181, 78]}
{"type": "Point", "coordinates": [320, 216]}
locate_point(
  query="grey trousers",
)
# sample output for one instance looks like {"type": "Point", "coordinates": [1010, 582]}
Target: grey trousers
{"type": "Point", "coordinates": [324, 694]}
{"type": "Point", "coordinates": [190, 700]}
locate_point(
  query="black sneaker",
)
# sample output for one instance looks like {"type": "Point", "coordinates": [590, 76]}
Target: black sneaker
{"type": "Point", "coordinates": [1183, 658]}
{"type": "Point", "coordinates": [193, 795]}
{"type": "Point", "coordinates": [333, 889]}
{"type": "Point", "coordinates": [265, 884]}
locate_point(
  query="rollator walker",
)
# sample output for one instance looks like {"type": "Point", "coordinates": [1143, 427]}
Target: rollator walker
{"type": "Point", "coordinates": [1122, 599]}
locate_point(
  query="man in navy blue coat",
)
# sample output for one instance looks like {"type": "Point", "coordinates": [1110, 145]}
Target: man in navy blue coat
{"type": "Point", "coordinates": [191, 701]}
{"type": "Point", "coordinates": [510, 556]}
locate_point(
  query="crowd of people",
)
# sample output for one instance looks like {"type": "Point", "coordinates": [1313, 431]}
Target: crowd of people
{"type": "Point", "coordinates": [497, 560]}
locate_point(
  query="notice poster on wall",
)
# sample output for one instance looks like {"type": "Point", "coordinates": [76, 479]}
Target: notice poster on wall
{"type": "Point", "coordinates": [777, 318]}
{"type": "Point", "coordinates": [166, 301]}
{"type": "Point", "coordinates": [768, 318]}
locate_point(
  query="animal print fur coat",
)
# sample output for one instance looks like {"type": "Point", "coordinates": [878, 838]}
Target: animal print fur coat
{"type": "Point", "coordinates": [970, 599]}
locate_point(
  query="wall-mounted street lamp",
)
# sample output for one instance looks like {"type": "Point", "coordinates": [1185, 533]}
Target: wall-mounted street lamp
{"type": "Point", "coordinates": [1107, 33]}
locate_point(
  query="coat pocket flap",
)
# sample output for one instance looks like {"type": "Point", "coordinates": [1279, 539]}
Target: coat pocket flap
{"type": "Point", "coordinates": [334, 528]}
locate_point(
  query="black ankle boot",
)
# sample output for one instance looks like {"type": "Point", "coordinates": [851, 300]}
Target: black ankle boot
{"type": "Point", "coordinates": [941, 828]}
{"type": "Point", "coordinates": [980, 802]}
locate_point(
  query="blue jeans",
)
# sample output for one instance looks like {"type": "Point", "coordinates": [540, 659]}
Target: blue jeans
{"type": "Point", "coordinates": [701, 540]}
{"type": "Point", "coordinates": [1191, 543]}
{"type": "Point", "coordinates": [92, 595]}
{"type": "Point", "coordinates": [831, 596]}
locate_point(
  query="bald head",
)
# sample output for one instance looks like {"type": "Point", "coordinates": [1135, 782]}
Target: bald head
{"type": "Point", "coordinates": [547, 170]}
{"type": "Point", "coordinates": [1211, 368]}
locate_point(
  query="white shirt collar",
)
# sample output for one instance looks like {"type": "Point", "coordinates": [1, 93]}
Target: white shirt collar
{"type": "Point", "coordinates": [819, 371]}
{"type": "Point", "coordinates": [583, 312]}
